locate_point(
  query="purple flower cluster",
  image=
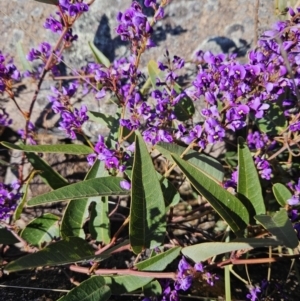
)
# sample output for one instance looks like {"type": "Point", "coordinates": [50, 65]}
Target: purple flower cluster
{"type": "Point", "coordinates": [72, 119]}
{"type": "Point", "coordinates": [112, 158]}
{"type": "Point", "coordinates": [8, 74]}
{"type": "Point", "coordinates": [5, 120]}
{"type": "Point", "coordinates": [253, 291]}
{"type": "Point", "coordinates": [135, 27]}
{"type": "Point", "coordinates": [42, 54]}
{"type": "Point", "coordinates": [9, 197]}
{"type": "Point", "coordinates": [294, 200]}
{"type": "Point", "coordinates": [30, 133]}
{"type": "Point", "coordinates": [184, 280]}
{"type": "Point", "coordinates": [263, 167]}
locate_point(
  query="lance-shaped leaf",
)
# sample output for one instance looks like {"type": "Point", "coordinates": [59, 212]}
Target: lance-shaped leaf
{"type": "Point", "coordinates": [99, 56]}
{"type": "Point", "coordinates": [282, 194]}
{"type": "Point", "coordinates": [147, 212]}
{"type": "Point", "coordinates": [72, 149]}
{"type": "Point", "coordinates": [54, 2]}
{"type": "Point", "coordinates": [7, 238]}
{"type": "Point", "coordinates": [94, 187]}
{"type": "Point", "coordinates": [160, 261]}
{"type": "Point", "coordinates": [249, 188]}
{"type": "Point", "coordinates": [99, 220]}
{"type": "Point", "coordinates": [23, 201]}
{"type": "Point", "coordinates": [93, 289]}
{"type": "Point", "coordinates": [281, 227]}
{"type": "Point", "coordinates": [42, 229]}
{"type": "Point", "coordinates": [209, 165]}
{"type": "Point", "coordinates": [204, 251]}
{"type": "Point", "coordinates": [227, 205]}
{"type": "Point", "coordinates": [76, 212]}
{"type": "Point", "coordinates": [22, 57]}
{"type": "Point", "coordinates": [71, 250]}
{"type": "Point", "coordinates": [48, 174]}
{"type": "Point", "coordinates": [122, 284]}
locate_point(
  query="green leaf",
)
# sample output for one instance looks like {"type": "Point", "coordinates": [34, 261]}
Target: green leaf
{"type": "Point", "coordinates": [76, 212]}
{"type": "Point", "coordinates": [170, 193]}
{"type": "Point", "coordinates": [207, 164]}
{"type": "Point", "coordinates": [249, 188]}
{"type": "Point", "coordinates": [23, 201]}
{"type": "Point", "coordinates": [126, 283]}
{"type": "Point", "coordinates": [22, 57]}
{"type": "Point", "coordinates": [273, 122]}
{"type": "Point", "coordinates": [42, 229]}
{"type": "Point", "coordinates": [152, 289]}
{"type": "Point", "coordinates": [72, 149]}
{"type": "Point", "coordinates": [160, 261]}
{"type": "Point", "coordinates": [48, 174]}
{"type": "Point", "coordinates": [111, 122]}
{"type": "Point", "coordinates": [282, 194]}
{"type": "Point", "coordinates": [73, 249]}
{"type": "Point", "coordinates": [184, 109]}
{"type": "Point", "coordinates": [202, 252]}
{"type": "Point", "coordinates": [100, 118]}
{"type": "Point", "coordinates": [99, 220]}
{"type": "Point", "coordinates": [147, 224]}
{"type": "Point", "coordinates": [227, 205]}
{"type": "Point", "coordinates": [94, 187]}
{"type": "Point", "coordinates": [7, 238]}
{"type": "Point", "coordinates": [154, 72]}
{"type": "Point", "coordinates": [281, 227]}
{"type": "Point", "coordinates": [54, 2]}
{"type": "Point", "coordinates": [93, 289]}
{"type": "Point", "coordinates": [99, 56]}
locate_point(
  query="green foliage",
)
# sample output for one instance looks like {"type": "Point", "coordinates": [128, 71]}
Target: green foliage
{"type": "Point", "coordinates": [147, 212]}
{"type": "Point", "coordinates": [41, 230]}
{"type": "Point", "coordinates": [99, 224]}
{"type": "Point", "coordinates": [249, 188]}
{"type": "Point", "coordinates": [76, 212]}
{"type": "Point", "coordinates": [281, 193]}
{"type": "Point", "coordinates": [47, 173]}
{"type": "Point", "coordinates": [54, 2]}
{"type": "Point", "coordinates": [99, 56]}
{"type": "Point", "coordinates": [22, 57]}
{"type": "Point", "coordinates": [72, 149]}
{"type": "Point", "coordinates": [160, 261]}
{"type": "Point", "coordinates": [230, 208]}
{"type": "Point", "coordinates": [93, 289]}
{"type": "Point", "coordinates": [7, 238]}
{"type": "Point", "coordinates": [94, 187]}
{"type": "Point", "coordinates": [126, 283]}
{"type": "Point", "coordinates": [209, 165]}
{"type": "Point", "coordinates": [281, 227]}
{"type": "Point", "coordinates": [70, 250]}
{"type": "Point", "coordinates": [273, 122]}
{"type": "Point", "coordinates": [204, 251]}
{"type": "Point", "coordinates": [152, 289]}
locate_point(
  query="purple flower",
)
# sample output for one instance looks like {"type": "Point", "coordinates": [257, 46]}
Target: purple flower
{"type": "Point", "coordinates": [253, 293]}
{"type": "Point", "coordinates": [264, 168]}
{"type": "Point", "coordinates": [125, 185]}
{"type": "Point", "coordinates": [258, 107]}
{"type": "Point", "coordinates": [9, 196]}
{"type": "Point", "coordinates": [149, 3]}
{"type": "Point", "coordinates": [5, 120]}
{"type": "Point", "coordinates": [30, 133]}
